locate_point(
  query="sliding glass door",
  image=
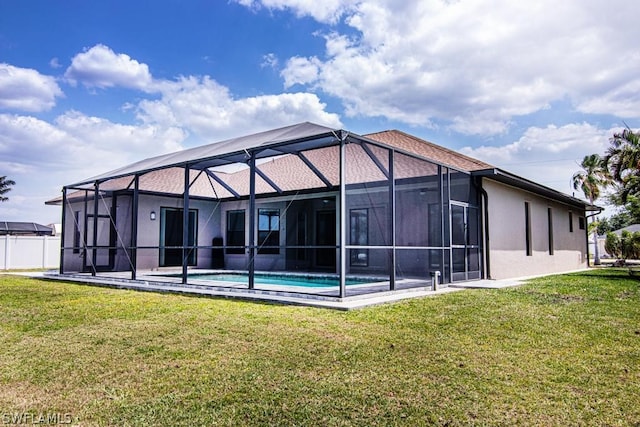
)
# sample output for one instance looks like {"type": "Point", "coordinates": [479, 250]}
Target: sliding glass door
{"type": "Point", "coordinates": [171, 227]}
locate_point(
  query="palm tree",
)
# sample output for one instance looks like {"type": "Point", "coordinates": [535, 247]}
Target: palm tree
{"type": "Point", "coordinates": [5, 187]}
{"type": "Point", "coordinates": [593, 176]}
{"type": "Point", "coordinates": [623, 162]}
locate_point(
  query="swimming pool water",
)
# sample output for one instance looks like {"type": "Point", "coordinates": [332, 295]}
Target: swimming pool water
{"type": "Point", "coordinates": [283, 280]}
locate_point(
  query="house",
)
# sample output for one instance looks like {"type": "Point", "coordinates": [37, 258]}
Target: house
{"type": "Point", "coordinates": [377, 212]}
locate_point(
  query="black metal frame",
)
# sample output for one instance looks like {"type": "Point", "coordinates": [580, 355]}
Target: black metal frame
{"type": "Point", "coordinates": [340, 139]}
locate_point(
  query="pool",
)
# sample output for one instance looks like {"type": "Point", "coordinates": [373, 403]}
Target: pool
{"type": "Point", "coordinates": [279, 279]}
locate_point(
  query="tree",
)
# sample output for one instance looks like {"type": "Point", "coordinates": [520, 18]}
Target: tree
{"type": "Point", "coordinates": [612, 245]}
{"type": "Point", "coordinates": [632, 209]}
{"type": "Point", "coordinates": [5, 187]}
{"type": "Point", "coordinates": [623, 163]}
{"type": "Point", "coordinates": [623, 247]}
{"type": "Point", "coordinates": [590, 180]}
{"type": "Point", "coordinates": [634, 246]}
{"type": "Point", "coordinates": [627, 214]}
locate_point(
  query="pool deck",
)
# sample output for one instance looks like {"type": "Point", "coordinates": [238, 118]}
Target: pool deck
{"type": "Point", "coordinates": [272, 294]}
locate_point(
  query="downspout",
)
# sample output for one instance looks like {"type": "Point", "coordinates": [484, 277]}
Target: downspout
{"type": "Point", "coordinates": [485, 204]}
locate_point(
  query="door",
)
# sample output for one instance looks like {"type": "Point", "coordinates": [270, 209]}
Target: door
{"type": "Point", "coordinates": [326, 236]}
{"type": "Point", "coordinates": [171, 226]}
{"type": "Point", "coordinates": [465, 238]}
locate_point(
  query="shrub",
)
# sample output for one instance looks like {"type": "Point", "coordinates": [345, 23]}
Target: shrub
{"type": "Point", "coordinates": [612, 245]}
{"type": "Point", "coordinates": [627, 246]}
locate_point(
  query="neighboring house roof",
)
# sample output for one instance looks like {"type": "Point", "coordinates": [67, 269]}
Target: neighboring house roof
{"type": "Point", "coordinates": [24, 228]}
{"type": "Point", "coordinates": [630, 228]}
{"type": "Point", "coordinates": [314, 164]}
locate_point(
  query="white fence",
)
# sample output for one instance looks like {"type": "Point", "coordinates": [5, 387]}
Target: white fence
{"type": "Point", "coordinates": [21, 252]}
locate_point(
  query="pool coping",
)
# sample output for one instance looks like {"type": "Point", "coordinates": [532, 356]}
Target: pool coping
{"type": "Point", "coordinates": [272, 296]}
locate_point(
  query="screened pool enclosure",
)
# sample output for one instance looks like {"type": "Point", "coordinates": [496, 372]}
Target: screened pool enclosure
{"type": "Point", "coordinates": [305, 202]}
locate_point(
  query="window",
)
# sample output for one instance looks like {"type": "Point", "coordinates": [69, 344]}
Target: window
{"type": "Point", "coordinates": [581, 223]}
{"type": "Point", "coordinates": [527, 227]}
{"type": "Point", "coordinates": [550, 225]}
{"type": "Point", "coordinates": [570, 222]}
{"type": "Point", "coordinates": [235, 232]}
{"type": "Point", "coordinates": [359, 235]}
{"type": "Point", "coordinates": [268, 231]}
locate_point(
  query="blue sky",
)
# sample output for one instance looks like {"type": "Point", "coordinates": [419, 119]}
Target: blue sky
{"type": "Point", "coordinates": [86, 87]}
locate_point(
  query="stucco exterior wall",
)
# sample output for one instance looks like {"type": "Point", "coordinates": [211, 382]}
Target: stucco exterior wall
{"type": "Point", "coordinates": [507, 234]}
{"type": "Point", "coordinates": [75, 220]}
{"type": "Point", "coordinates": [208, 216]}
{"type": "Point", "coordinates": [267, 262]}
{"type": "Point", "coordinates": [149, 231]}
{"type": "Point", "coordinates": [288, 210]}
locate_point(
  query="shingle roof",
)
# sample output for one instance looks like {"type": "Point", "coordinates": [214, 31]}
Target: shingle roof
{"type": "Point", "coordinates": [290, 172]}
{"type": "Point", "coordinates": [429, 150]}
{"type": "Point", "coordinates": [291, 133]}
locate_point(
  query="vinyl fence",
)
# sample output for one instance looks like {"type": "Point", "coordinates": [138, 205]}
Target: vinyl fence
{"type": "Point", "coordinates": [22, 252]}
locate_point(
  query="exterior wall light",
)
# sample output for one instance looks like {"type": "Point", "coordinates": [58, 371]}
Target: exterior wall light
{"type": "Point", "coordinates": [152, 216]}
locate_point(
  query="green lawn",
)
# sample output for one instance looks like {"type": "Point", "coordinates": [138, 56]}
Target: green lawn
{"type": "Point", "coordinates": [563, 350]}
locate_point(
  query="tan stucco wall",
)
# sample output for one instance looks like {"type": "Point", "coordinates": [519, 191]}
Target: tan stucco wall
{"type": "Point", "coordinates": [266, 262]}
{"type": "Point", "coordinates": [148, 230]}
{"type": "Point", "coordinates": [507, 245]}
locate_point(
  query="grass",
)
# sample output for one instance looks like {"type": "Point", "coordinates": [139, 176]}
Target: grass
{"type": "Point", "coordinates": [562, 350]}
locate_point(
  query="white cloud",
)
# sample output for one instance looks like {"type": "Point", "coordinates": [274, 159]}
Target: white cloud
{"type": "Point", "coordinates": [24, 89]}
{"type": "Point", "coordinates": [126, 143]}
{"type": "Point", "coordinates": [622, 101]}
{"type": "Point", "coordinates": [76, 142]}
{"type": "Point", "coordinates": [55, 63]}
{"type": "Point", "coordinates": [473, 65]}
{"type": "Point", "coordinates": [300, 71]}
{"type": "Point", "coordinates": [197, 105]}
{"type": "Point", "coordinates": [101, 67]}
{"type": "Point", "coordinates": [548, 155]}
{"type": "Point", "coordinates": [270, 60]}
{"type": "Point", "coordinates": [42, 157]}
{"type": "Point", "coordinates": [328, 11]}
{"type": "Point", "coordinates": [208, 109]}
{"type": "Point", "coordinates": [539, 143]}
{"type": "Point", "coordinates": [75, 146]}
